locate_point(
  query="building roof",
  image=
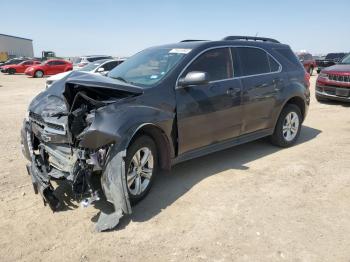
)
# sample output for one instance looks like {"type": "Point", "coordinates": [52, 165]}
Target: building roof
{"type": "Point", "coordinates": [16, 37]}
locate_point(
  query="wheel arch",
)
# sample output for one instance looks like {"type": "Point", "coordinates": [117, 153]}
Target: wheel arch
{"type": "Point", "coordinates": [159, 137]}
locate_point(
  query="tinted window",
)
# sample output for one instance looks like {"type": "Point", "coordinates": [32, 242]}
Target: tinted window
{"type": "Point", "coordinates": [290, 57]}
{"type": "Point", "coordinates": [110, 65]}
{"type": "Point", "coordinates": [60, 63]}
{"type": "Point", "coordinates": [216, 62]}
{"type": "Point", "coordinates": [253, 61]}
{"type": "Point", "coordinates": [274, 66]}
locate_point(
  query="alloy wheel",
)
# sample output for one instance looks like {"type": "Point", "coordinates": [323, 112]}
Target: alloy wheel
{"type": "Point", "coordinates": [290, 126]}
{"type": "Point", "coordinates": [140, 171]}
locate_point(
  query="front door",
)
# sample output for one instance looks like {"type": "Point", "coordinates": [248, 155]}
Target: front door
{"type": "Point", "coordinates": [210, 113]}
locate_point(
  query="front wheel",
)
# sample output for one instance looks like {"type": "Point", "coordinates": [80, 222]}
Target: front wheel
{"type": "Point", "coordinates": [39, 74]}
{"type": "Point", "coordinates": [288, 127]}
{"type": "Point", "coordinates": [141, 166]}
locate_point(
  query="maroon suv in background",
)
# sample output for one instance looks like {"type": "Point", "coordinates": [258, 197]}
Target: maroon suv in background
{"type": "Point", "coordinates": [308, 62]}
{"type": "Point", "coordinates": [334, 82]}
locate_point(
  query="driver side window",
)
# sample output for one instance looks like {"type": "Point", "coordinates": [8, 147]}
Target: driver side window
{"type": "Point", "coordinates": [217, 63]}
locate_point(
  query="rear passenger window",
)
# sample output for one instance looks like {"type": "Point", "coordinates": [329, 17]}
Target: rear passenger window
{"type": "Point", "coordinates": [216, 62]}
{"type": "Point", "coordinates": [274, 66]}
{"type": "Point", "coordinates": [253, 61]}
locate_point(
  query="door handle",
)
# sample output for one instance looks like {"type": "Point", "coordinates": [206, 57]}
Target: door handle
{"type": "Point", "coordinates": [233, 91]}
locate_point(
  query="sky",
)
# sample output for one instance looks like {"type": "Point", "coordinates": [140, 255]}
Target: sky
{"type": "Point", "coordinates": [122, 28]}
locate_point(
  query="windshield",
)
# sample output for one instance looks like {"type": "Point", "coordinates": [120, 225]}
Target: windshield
{"type": "Point", "coordinates": [90, 67]}
{"type": "Point", "coordinates": [346, 60]}
{"type": "Point", "coordinates": [148, 67]}
{"type": "Point", "coordinates": [335, 56]}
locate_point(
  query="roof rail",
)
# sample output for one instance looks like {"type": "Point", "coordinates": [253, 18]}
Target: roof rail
{"type": "Point", "coordinates": [191, 40]}
{"type": "Point", "coordinates": [251, 38]}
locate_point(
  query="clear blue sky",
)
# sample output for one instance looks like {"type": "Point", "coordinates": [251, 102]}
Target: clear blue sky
{"type": "Point", "coordinates": [79, 27]}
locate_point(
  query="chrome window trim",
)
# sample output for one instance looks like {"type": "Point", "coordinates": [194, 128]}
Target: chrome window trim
{"type": "Point", "coordinates": [239, 77]}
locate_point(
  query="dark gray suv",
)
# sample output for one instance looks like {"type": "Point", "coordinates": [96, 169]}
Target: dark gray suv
{"type": "Point", "coordinates": [164, 105]}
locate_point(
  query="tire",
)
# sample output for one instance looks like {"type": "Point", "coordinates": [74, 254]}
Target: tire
{"type": "Point", "coordinates": [283, 135]}
{"type": "Point", "coordinates": [38, 74]}
{"type": "Point", "coordinates": [134, 174]}
{"type": "Point", "coordinates": [11, 71]}
{"type": "Point", "coordinates": [311, 71]}
{"type": "Point", "coordinates": [320, 99]}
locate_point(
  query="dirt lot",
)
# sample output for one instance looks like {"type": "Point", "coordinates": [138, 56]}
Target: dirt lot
{"type": "Point", "coordinates": [254, 202]}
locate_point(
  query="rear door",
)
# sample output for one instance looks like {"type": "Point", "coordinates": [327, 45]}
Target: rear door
{"type": "Point", "coordinates": [50, 68]}
{"type": "Point", "coordinates": [262, 82]}
{"type": "Point", "coordinates": [210, 113]}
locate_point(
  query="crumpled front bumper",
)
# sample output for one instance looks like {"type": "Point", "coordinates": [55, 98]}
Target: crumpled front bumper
{"type": "Point", "coordinates": [112, 181]}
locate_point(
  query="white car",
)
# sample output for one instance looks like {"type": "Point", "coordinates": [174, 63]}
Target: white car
{"type": "Point", "coordinates": [102, 67]}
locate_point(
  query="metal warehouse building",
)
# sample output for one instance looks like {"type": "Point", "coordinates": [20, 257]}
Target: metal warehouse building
{"type": "Point", "coordinates": [16, 46]}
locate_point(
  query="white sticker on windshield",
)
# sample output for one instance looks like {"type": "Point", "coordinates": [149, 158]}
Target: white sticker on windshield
{"type": "Point", "coordinates": [180, 51]}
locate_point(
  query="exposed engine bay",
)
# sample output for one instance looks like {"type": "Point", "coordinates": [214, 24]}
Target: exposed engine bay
{"type": "Point", "coordinates": [62, 140]}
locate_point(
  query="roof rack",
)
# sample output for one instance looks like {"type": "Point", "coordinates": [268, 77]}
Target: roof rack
{"type": "Point", "coordinates": [251, 38]}
{"type": "Point", "coordinates": [191, 40]}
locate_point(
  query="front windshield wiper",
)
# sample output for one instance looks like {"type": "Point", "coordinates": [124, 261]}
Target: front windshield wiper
{"type": "Point", "coordinates": [120, 79]}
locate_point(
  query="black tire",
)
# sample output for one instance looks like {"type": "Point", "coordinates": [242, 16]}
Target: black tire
{"type": "Point", "coordinates": [311, 71]}
{"type": "Point", "coordinates": [11, 71]}
{"type": "Point", "coordinates": [38, 74]}
{"type": "Point", "coordinates": [320, 99]}
{"type": "Point", "coordinates": [139, 143]}
{"type": "Point", "coordinates": [278, 138]}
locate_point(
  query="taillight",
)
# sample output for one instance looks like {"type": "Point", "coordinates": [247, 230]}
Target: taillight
{"type": "Point", "coordinates": [307, 79]}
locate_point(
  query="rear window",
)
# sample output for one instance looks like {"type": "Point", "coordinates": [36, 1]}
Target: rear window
{"type": "Point", "coordinates": [289, 56]}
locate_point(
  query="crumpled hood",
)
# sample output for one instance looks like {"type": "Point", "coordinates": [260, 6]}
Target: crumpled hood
{"type": "Point", "coordinates": [345, 68]}
{"type": "Point", "coordinates": [52, 100]}
{"type": "Point", "coordinates": [99, 81]}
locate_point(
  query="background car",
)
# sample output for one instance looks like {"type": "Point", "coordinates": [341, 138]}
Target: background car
{"type": "Point", "coordinates": [50, 67]}
{"type": "Point", "coordinates": [333, 83]}
{"type": "Point", "coordinates": [84, 60]}
{"type": "Point", "coordinates": [102, 67]}
{"type": "Point", "coordinates": [308, 62]}
{"type": "Point", "coordinates": [14, 61]}
{"type": "Point", "coordinates": [329, 60]}
{"type": "Point", "coordinates": [18, 68]}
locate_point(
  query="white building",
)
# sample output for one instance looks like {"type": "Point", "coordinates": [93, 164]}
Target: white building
{"type": "Point", "coordinates": [16, 46]}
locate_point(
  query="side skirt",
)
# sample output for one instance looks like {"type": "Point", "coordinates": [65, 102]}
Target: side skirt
{"type": "Point", "coordinates": [222, 145]}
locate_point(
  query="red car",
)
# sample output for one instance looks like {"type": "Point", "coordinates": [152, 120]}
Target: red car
{"type": "Point", "coordinates": [50, 67]}
{"type": "Point", "coordinates": [308, 62]}
{"type": "Point", "coordinates": [334, 82]}
{"type": "Point", "coordinates": [18, 68]}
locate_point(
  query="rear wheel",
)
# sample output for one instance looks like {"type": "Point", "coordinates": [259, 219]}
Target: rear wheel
{"type": "Point", "coordinates": [141, 165]}
{"type": "Point", "coordinates": [39, 74]}
{"type": "Point", "coordinates": [288, 126]}
{"type": "Point", "coordinates": [311, 70]}
{"type": "Point", "coordinates": [11, 71]}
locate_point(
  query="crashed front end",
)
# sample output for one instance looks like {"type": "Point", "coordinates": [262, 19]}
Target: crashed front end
{"type": "Point", "coordinates": [66, 137]}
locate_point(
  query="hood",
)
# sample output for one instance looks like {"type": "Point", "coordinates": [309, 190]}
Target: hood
{"type": "Point", "coordinates": [339, 68]}
{"type": "Point", "coordinates": [60, 95]}
{"type": "Point", "coordinates": [78, 78]}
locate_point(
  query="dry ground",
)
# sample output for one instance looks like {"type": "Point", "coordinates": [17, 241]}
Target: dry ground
{"type": "Point", "coordinates": [254, 202]}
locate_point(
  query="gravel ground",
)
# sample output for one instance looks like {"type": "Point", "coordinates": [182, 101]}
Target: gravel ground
{"type": "Point", "coordinates": [254, 202]}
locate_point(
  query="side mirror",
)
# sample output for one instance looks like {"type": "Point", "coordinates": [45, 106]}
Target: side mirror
{"type": "Point", "coordinates": [194, 78]}
{"type": "Point", "coordinates": [101, 69]}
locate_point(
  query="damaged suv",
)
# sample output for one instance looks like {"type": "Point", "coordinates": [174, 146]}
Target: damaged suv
{"type": "Point", "coordinates": [164, 105]}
